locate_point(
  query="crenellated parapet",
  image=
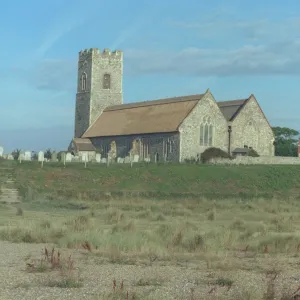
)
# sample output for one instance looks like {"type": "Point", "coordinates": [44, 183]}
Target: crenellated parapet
{"type": "Point", "coordinates": [97, 53]}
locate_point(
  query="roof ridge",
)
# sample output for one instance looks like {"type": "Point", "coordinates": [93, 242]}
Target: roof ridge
{"type": "Point", "coordinates": [155, 102]}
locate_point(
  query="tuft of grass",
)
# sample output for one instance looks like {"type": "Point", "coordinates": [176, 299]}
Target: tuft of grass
{"type": "Point", "coordinates": [19, 211]}
{"type": "Point", "coordinates": [149, 282]}
{"type": "Point", "coordinates": [64, 282]}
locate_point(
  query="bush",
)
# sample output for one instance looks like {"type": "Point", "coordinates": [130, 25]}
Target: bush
{"type": "Point", "coordinates": [191, 160]}
{"type": "Point", "coordinates": [211, 153]}
{"type": "Point", "coordinates": [253, 153]}
{"type": "Point", "coordinates": [16, 154]}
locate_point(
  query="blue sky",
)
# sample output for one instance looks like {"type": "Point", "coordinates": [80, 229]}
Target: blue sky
{"type": "Point", "coordinates": [171, 48]}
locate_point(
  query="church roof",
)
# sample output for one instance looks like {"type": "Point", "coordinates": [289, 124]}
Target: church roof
{"type": "Point", "coordinates": [155, 116]}
{"type": "Point", "coordinates": [83, 144]}
{"type": "Point", "coordinates": [231, 108]}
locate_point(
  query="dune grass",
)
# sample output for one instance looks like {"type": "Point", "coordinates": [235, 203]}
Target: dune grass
{"type": "Point", "coordinates": [163, 228]}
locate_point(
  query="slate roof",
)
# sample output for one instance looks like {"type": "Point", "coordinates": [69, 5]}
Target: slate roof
{"type": "Point", "coordinates": [83, 144]}
{"type": "Point", "coordinates": [230, 109]}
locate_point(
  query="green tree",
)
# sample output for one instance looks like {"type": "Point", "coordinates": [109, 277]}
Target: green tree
{"type": "Point", "coordinates": [286, 141]}
{"type": "Point", "coordinates": [16, 154]}
{"type": "Point", "coordinates": [48, 153]}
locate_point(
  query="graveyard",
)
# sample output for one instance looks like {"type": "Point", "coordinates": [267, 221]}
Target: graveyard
{"type": "Point", "coordinates": [148, 231]}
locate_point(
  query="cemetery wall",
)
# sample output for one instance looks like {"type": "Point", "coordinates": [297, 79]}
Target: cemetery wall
{"type": "Point", "coordinates": [261, 160]}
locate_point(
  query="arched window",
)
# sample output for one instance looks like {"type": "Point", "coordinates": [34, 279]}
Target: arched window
{"type": "Point", "coordinates": [106, 81]}
{"type": "Point", "coordinates": [83, 81]}
{"type": "Point", "coordinates": [206, 132]}
{"type": "Point", "coordinates": [168, 147]}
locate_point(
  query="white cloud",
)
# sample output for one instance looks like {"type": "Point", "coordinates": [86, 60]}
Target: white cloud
{"type": "Point", "coordinates": [233, 26]}
{"type": "Point", "coordinates": [276, 58]}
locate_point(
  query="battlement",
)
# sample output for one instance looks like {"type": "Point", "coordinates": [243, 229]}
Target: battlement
{"type": "Point", "coordinates": [106, 53]}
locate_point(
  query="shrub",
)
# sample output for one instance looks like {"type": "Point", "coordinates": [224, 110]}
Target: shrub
{"type": "Point", "coordinates": [192, 160]}
{"type": "Point", "coordinates": [211, 153]}
{"type": "Point", "coordinates": [48, 154]}
{"type": "Point", "coordinates": [16, 154]}
{"type": "Point", "coordinates": [253, 153]}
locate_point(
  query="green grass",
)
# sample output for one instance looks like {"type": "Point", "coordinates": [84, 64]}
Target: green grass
{"type": "Point", "coordinates": [157, 181]}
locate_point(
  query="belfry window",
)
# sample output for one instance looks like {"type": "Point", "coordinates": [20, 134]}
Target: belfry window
{"type": "Point", "coordinates": [83, 81]}
{"type": "Point", "coordinates": [106, 81]}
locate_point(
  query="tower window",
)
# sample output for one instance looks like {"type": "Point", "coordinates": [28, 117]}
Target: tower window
{"type": "Point", "coordinates": [106, 81]}
{"type": "Point", "coordinates": [83, 81]}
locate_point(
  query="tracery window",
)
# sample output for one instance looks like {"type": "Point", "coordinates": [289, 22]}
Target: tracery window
{"type": "Point", "coordinates": [206, 132]}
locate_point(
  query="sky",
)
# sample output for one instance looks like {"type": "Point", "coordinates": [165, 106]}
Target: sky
{"type": "Point", "coordinates": [171, 48]}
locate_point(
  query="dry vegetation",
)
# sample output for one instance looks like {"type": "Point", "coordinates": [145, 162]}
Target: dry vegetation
{"type": "Point", "coordinates": [137, 248]}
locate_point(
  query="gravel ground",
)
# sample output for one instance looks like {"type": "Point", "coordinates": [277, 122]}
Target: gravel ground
{"type": "Point", "coordinates": [162, 280]}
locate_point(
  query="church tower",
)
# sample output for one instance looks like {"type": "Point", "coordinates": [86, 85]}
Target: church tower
{"type": "Point", "coordinates": [99, 85]}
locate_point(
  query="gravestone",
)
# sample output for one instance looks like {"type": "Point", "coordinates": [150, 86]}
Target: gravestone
{"type": "Point", "coordinates": [10, 157]}
{"type": "Point", "coordinates": [127, 160]}
{"type": "Point", "coordinates": [68, 157]}
{"type": "Point", "coordinates": [27, 155]}
{"type": "Point", "coordinates": [41, 156]}
{"type": "Point", "coordinates": [98, 157]}
{"type": "Point", "coordinates": [1, 151]}
{"type": "Point", "coordinates": [147, 159]}
{"type": "Point", "coordinates": [136, 158]}
{"type": "Point", "coordinates": [54, 156]}
{"type": "Point", "coordinates": [21, 156]}
{"type": "Point", "coordinates": [84, 157]}
{"type": "Point", "coordinates": [63, 157]}
{"type": "Point", "coordinates": [103, 160]}
{"type": "Point", "coordinates": [120, 160]}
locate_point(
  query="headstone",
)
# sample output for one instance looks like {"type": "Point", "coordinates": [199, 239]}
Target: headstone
{"type": "Point", "coordinates": [5, 156]}
{"type": "Point", "coordinates": [68, 157]}
{"type": "Point", "coordinates": [98, 157]}
{"type": "Point", "coordinates": [103, 160]}
{"type": "Point", "coordinates": [136, 158]}
{"type": "Point", "coordinates": [41, 156]}
{"type": "Point", "coordinates": [54, 156]}
{"type": "Point", "coordinates": [84, 157]}
{"type": "Point", "coordinates": [27, 155]}
{"type": "Point", "coordinates": [63, 157]}
{"type": "Point", "coordinates": [127, 160]}
{"type": "Point", "coordinates": [120, 160]}
{"type": "Point", "coordinates": [1, 151]}
{"type": "Point", "coordinates": [21, 156]}
{"type": "Point", "coordinates": [10, 157]}
{"type": "Point", "coordinates": [147, 159]}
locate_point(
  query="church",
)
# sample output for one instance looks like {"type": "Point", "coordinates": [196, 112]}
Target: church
{"type": "Point", "coordinates": [172, 129]}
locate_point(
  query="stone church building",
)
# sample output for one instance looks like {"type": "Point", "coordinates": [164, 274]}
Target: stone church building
{"type": "Point", "coordinates": [172, 129]}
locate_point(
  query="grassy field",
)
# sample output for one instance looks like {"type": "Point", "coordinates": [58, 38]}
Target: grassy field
{"type": "Point", "coordinates": [159, 181]}
{"type": "Point", "coordinates": [158, 229]}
